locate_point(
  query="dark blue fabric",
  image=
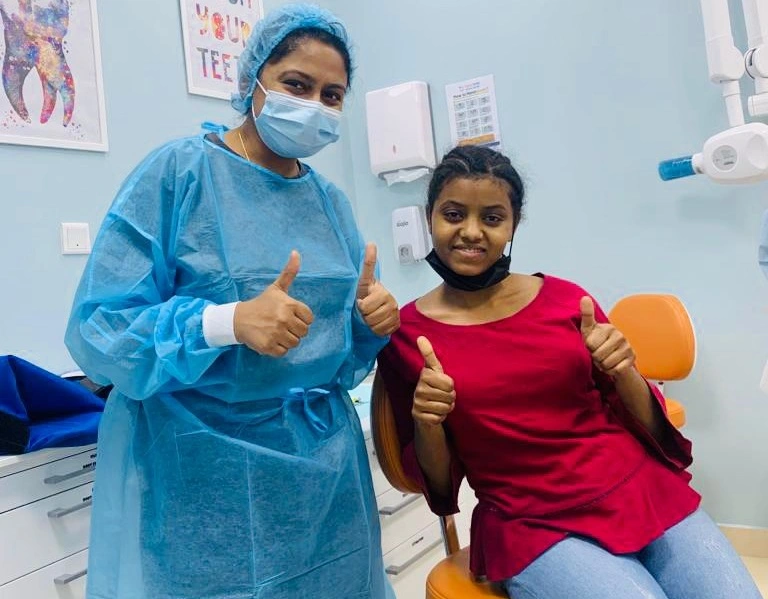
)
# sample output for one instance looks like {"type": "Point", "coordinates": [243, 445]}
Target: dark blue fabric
{"type": "Point", "coordinates": [43, 409]}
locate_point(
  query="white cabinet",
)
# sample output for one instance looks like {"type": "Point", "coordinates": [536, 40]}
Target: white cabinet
{"type": "Point", "coordinates": [45, 506]}
{"type": "Point", "coordinates": [409, 564]}
{"type": "Point", "coordinates": [64, 579]}
{"type": "Point", "coordinates": [401, 515]}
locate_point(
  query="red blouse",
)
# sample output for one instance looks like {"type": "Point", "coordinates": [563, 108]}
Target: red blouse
{"type": "Point", "coordinates": [542, 437]}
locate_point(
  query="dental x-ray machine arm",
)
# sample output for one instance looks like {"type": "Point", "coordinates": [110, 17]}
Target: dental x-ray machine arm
{"type": "Point", "coordinates": [738, 154]}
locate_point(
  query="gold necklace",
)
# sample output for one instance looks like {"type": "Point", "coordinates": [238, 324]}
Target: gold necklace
{"type": "Point", "coordinates": [240, 136]}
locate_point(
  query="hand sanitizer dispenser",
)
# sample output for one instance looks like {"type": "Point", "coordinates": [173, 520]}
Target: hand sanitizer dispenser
{"type": "Point", "coordinates": [409, 230]}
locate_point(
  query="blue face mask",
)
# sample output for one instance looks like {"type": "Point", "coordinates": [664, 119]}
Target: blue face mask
{"type": "Point", "coordinates": [295, 128]}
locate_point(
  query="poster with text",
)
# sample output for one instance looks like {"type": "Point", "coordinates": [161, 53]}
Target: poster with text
{"type": "Point", "coordinates": [215, 32]}
{"type": "Point", "coordinates": [472, 112]}
{"type": "Point", "coordinates": [52, 92]}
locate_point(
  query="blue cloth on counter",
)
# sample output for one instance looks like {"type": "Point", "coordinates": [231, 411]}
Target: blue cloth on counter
{"type": "Point", "coordinates": [39, 409]}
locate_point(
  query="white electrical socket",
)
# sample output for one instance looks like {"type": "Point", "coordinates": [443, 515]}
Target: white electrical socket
{"type": "Point", "coordinates": [75, 238]}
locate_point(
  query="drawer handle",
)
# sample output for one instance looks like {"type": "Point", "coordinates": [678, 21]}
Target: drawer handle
{"type": "Point", "coordinates": [65, 579]}
{"type": "Point", "coordinates": [60, 478]}
{"type": "Point", "coordinates": [398, 570]}
{"type": "Point", "coordinates": [391, 511]}
{"type": "Point", "coordinates": [60, 512]}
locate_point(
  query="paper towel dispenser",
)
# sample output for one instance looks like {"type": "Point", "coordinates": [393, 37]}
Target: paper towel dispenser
{"type": "Point", "coordinates": [400, 138]}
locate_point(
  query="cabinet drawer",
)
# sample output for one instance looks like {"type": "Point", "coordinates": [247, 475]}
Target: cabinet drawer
{"type": "Point", "coordinates": [46, 531]}
{"type": "Point", "coordinates": [400, 514]}
{"type": "Point", "coordinates": [408, 565]}
{"type": "Point", "coordinates": [380, 482]}
{"type": "Point", "coordinates": [63, 580]}
{"type": "Point", "coordinates": [48, 479]}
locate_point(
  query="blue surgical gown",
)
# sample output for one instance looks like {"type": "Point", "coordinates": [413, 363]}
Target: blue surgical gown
{"type": "Point", "coordinates": [223, 473]}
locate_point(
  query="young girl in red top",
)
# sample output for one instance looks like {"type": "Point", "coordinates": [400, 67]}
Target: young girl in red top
{"type": "Point", "coordinates": [521, 384]}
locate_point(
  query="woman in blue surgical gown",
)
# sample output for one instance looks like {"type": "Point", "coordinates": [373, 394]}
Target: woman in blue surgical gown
{"type": "Point", "coordinates": [231, 302]}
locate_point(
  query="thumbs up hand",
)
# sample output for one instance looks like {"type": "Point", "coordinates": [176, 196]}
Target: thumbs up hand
{"type": "Point", "coordinates": [376, 304]}
{"type": "Point", "coordinates": [274, 322]}
{"type": "Point", "coordinates": [435, 395]}
{"type": "Point", "coordinates": [610, 350]}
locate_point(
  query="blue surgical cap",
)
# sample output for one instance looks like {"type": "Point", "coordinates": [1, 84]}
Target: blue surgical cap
{"type": "Point", "coordinates": [272, 30]}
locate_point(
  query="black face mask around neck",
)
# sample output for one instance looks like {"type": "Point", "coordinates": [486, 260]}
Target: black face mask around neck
{"type": "Point", "coordinates": [493, 276]}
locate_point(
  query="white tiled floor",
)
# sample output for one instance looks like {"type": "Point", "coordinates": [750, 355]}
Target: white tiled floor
{"type": "Point", "coordinates": [758, 567]}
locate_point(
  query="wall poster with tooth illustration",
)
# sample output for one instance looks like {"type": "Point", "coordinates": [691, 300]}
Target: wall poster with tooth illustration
{"type": "Point", "coordinates": [52, 93]}
{"type": "Point", "coordinates": [215, 32]}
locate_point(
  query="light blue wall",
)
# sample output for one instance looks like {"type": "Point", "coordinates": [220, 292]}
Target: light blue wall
{"type": "Point", "coordinates": [591, 96]}
{"type": "Point", "coordinates": [147, 104]}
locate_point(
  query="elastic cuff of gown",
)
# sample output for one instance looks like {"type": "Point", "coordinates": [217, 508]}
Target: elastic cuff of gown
{"type": "Point", "coordinates": [219, 325]}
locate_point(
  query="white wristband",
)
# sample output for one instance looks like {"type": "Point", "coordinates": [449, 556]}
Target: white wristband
{"type": "Point", "coordinates": [219, 325]}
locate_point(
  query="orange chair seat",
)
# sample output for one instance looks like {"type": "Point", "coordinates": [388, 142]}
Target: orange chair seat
{"type": "Point", "coordinates": [675, 412]}
{"type": "Point", "coordinates": [451, 579]}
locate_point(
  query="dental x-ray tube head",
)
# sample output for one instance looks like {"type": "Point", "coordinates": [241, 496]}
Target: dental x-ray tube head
{"type": "Point", "coordinates": [736, 155]}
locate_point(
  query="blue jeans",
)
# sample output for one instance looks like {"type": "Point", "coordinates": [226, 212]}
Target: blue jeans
{"type": "Point", "coordinates": [692, 560]}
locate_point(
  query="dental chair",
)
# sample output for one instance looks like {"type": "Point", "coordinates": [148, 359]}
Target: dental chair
{"type": "Point", "coordinates": [451, 578]}
{"type": "Point", "coordinates": [659, 329]}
